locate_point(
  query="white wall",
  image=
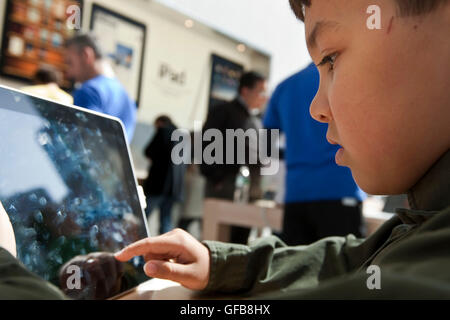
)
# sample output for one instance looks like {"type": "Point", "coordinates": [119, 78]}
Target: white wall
{"type": "Point", "coordinates": [266, 24]}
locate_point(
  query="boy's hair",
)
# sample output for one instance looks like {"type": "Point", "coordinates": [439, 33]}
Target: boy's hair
{"type": "Point", "coordinates": [405, 7]}
{"type": "Point", "coordinates": [249, 80]}
{"type": "Point", "coordinates": [85, 41]}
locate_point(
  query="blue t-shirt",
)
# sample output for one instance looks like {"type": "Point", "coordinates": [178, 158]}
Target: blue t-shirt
{"type": "Point", "coordinates": [108, 96]}
{"type": "Point", "coordinates": [312, 173]}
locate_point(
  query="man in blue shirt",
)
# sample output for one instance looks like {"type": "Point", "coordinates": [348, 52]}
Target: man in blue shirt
{"type": "Point", "coordinates": [321, 198]}
{"type": "Point", "coordinates": [97, 92]}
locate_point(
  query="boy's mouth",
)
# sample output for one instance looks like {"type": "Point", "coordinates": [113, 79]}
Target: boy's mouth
{"type": "Point", "coordinates": [340, 152]}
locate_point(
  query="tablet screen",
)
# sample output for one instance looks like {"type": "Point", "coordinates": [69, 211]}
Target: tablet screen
{"type": "Point", "coordinates": [67, 183]}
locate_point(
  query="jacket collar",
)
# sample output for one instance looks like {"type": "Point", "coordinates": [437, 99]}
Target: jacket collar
{"type": "Point", "coordinates": [430, 195]}
{"type": "Point", "coordinates": [241, 101]}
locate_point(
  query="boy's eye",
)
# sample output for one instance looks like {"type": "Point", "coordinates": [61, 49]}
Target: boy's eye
{"type": "Point", "coordinates": [330, 59]}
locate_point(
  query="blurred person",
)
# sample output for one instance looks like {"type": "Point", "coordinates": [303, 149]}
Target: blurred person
{"type": "Point", "coordinates": [99, 91]}
{"type": "Point", "coordinates": [321, 199]}
{"type": "Point", "coordinates": [46, 84]}
{"type": "Point", "coordinates": [237, 114]}
{"type": "Point", "coordinates": [164, 185]}
{"type": "Point", "coordinates": [194, 193]}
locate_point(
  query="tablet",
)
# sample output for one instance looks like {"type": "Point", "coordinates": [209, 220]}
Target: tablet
{"type": "Point", "coordinates": [67, 183]}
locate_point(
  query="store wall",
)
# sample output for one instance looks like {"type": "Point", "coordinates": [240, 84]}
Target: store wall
{"type": "Point", "coordinates": [266, 24]}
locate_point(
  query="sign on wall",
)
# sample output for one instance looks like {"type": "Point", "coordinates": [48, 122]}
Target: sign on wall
{"type": "Point", "coordinates": [123, 43]}
{"type": "Point", "coordinates": [225, 78]}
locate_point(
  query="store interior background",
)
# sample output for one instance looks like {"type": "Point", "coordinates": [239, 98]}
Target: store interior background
{"type": "Point", "coordinates": [269, 31]}
{"type": "Point", "coordinates": [273, 38]}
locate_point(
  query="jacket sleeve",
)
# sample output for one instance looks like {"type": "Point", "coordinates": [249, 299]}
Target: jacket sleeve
{"type": "Point", "coordinates": [393, 285]}
{"type": "Point", "coordinates": [269, 265]}
{"type": "Point", "coordinates": [216, 119]}
{"type": "Point", "coordinates": [17, 283]}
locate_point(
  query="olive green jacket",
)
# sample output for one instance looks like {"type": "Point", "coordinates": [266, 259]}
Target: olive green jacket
{"type": "Point", "coordinates": [412, 251]}
{"type": "Point", "coordinates": [17, 283]}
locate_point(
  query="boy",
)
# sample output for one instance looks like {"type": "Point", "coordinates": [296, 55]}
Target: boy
{"type": "Point", "coordinates": [384, 95]}
{"type": "Point", "coordinates": [386, 101]}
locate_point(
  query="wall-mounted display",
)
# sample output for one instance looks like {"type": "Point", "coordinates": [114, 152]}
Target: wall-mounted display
{"type": "Point", "coordinates": [123, 43]}
{"type": "Point", "coordinates": [34, 34]}
{"type": "Point", "coordinates": [225, 78]}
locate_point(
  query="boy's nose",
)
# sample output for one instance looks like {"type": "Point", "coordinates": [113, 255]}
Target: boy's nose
{"type": "Point", "coordinates": [320, 109]}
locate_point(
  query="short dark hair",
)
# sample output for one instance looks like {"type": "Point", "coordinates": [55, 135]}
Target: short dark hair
{"type": "Point", "coordinates": [165, 120]}
{"type": "Point", "coordinates": [405, 7]}
{"type": "Point", "coordinates": [250, 80]}
{"type": "Point", "coordinates": [47, 74]}
{"type": "Point", "coordinates": [82, 41]}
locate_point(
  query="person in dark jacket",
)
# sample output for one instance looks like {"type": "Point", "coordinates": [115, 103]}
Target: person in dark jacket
{"type": "Point", "coordinates": [234, 115]}
{"type": "Point", "coordinates": [163, 186]}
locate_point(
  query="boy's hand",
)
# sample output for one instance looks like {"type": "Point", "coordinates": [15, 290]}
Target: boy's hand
{"type": "Point", "coordinates": [7, 238]}
{"type": "Point", "coordinates": [175, 256]}
{"type": "Point", "coordinates": [101, 277]}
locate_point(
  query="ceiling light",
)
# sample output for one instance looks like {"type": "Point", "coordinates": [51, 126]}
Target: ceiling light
{"type": "Point", "coordinates": [189, 23]}
{"type": "Point", "coordinates": [241, 47]}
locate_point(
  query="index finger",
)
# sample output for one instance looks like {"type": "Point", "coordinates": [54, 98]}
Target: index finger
{"type": "Point", "coordinates": [159, 245]}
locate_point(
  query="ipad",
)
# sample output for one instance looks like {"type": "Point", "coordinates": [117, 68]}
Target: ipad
{"type": "Point", "coordinates": [67, 183]}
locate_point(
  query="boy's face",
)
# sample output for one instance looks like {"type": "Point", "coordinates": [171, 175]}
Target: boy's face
{"type": "Point", "coordinates": [386, 97]}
